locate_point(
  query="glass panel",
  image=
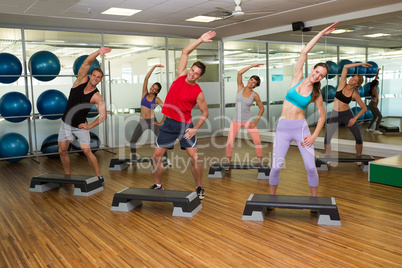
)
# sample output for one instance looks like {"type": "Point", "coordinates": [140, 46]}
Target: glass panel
{"type": "Point", "coordinates": [238, 55]}
{"type": "Point", "coordinates": [130, 60]}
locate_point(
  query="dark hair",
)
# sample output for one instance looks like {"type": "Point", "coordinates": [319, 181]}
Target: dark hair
{"type": "Point", "coordinates": [373, 84]}
{"type": "Point", "coordinates": [200, 65]}
{"type": "Point", "coordinates": [159, 86]}
{"type": "Point", "coordinates": [97, 69]}
{"type": "Point", "coordinates": [317, 86]}
{"type": "Point", "coordinates": [256, 78]}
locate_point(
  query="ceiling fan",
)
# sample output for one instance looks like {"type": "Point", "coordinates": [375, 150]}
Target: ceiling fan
{"type": "Point", "coordinates": [238, 11]}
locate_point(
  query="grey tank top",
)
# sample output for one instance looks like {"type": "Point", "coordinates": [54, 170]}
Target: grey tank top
{"type": "Point", "coordinates": [242, 110]}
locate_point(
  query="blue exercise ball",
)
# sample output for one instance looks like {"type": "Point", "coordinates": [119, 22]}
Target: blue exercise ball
{"type": "Point", "coordinates": [372, 70]}
{"type": "Point", "coordinates": [331, 93]}
{"type": "Point", "coordinates": [361, 91]}
{"type": "Point", "coordinates": [357, 110]}
{"type": "Point", "coordinates": [93, 112]}
{"type": "Point", "coordinates": [51, 101]}
{"type": "Point", "coordinates": [94, 143]}
{"type": "Point", "coordinates": [9, 65]}
{"type": "Point", "coordinates": [332, 69]}
{"type": "Point", "coordinates": [51, 145]}
{"type": "Point", "coordinates": [351, 71]}
{"type": "Point", "coordinates": [15, 104]}
{"type": "Point", "coordinates": [80, 60]}
{"type": "Point", "coordinates": [13, 145]}
{"type": "Point", "coordinates": [360, 69]}
{"type": "Point", "coordinates": [368, 114]}
{"type": "Point", "coordinates": [44, 63]}
{"type": "Point", "coordinates": [366, 88]}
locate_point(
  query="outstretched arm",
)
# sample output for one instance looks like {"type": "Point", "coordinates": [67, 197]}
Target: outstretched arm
{"type": "Point", "coordinates": [83, 71]}
{"type": "Point", "coordinates": [145, 84]}
{"type": "Point", "coordinates": [348, 66]}
{"type": "Point", "coordinates": [378, 71]}
{"type": "Point", "coordinates": [298, 74]}
{"type": "Point", "coordinates": [240, 73]}
{"type": "Point", "coordinates": [182, 66]}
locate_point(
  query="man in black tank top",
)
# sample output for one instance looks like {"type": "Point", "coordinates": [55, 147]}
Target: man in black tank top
{"type": "Point", "coordinates": [83, 95]}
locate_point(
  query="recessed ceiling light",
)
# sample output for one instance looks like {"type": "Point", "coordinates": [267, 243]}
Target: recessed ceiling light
{"type": "Point", "coordinates": [204, 19]}
{"type": "Point", "coordinates": [377, 35]}
{"type": "Point", "coordinates": [121, 11]}
{"type": "Point", "coordinates": [338, 31]}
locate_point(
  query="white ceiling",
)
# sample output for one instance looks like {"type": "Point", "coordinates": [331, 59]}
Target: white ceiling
{"type": "Point", "coordinates": [168, 17]}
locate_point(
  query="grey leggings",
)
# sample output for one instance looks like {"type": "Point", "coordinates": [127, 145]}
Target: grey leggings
{"type": "Point", "coordinates": [143, 125]}
{"type": "Point", "coordinates": [376, 115]}
{"type": "Point", "coordinates": [338, 118]}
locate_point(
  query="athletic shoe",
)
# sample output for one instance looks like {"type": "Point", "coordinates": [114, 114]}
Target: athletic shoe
{"type": "Point", "coordinates": [156, 187]}
{"type": "Point", "coordinates": [369, 130]}
{"type": "Point", "coordinates": [377, 132]}
{"type": "Point", "coordinates": [102, 179]}
{"type": "Point", "coordinates": [200, 192]}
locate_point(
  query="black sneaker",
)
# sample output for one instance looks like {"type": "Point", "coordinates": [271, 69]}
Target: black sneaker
{"type": "Point", "coordinates": [156, 187]}
{"type": "Point", "coordinates": [200, 192]}
{"type": "Point", "coordinates": [102, 179]}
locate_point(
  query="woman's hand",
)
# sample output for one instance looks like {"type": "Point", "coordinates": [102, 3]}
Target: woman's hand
{"type": "Point", "coordinates": [352, 122]}
{"type": "Point", "coordinates": [308, 141]}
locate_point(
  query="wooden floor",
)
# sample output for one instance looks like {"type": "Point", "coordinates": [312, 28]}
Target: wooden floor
{"type": "Point", "coordinates": [58, 229]}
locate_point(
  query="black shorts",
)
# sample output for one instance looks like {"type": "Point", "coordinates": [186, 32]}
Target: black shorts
{"type": "Point", "coordinates": [170, 131]}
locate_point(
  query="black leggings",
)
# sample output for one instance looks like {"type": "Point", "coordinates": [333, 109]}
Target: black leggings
{"type": "Point", "coordinates": [377, 116]}
{"type": "Point", "coordinates": [338, 118]}
{"type": "Point", "coordinates": [143, 125]}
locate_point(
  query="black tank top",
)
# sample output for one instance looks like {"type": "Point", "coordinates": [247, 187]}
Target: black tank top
{"type": "Point", "coordinates": [340, 96]}
{"type": "Point", "coordinates": [78, 105]}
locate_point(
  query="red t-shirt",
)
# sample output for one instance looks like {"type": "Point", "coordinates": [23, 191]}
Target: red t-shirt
{"type": "Point", "coordinates": [180, 100]}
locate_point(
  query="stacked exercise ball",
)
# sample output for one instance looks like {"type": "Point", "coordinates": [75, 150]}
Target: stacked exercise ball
{"type": "Point", "coordinates": [331, 90]}
{"type": "Point", "coordinates": [93, 112]}
{"type": "Point", "coordinates": [360, 69]}
{"type": "Point", "coordinates": [15, 104]}
{"type": "Point", "coordinates": [80, 60]}
{"type": "Point", "coordinates": [13, 145]}
{"type": "Point", "coordinates": [94, 143]}
{"type": "Point", "coordinates": [332, 69]}
{"type": "Point", "coordinates": [52, 102]}
{"type": "Point", "coordinates": [351, 71]}
{"type": "Point", "coordinates": [51, 145]}
{"type": "Point", "coordinates": [372, 70]}
{"type": "Point", "coordinates": [355, 111]}
{"type": "Point", "coordinates": [9, 65]}
{"type": "Point", "coordinates": [44, 63]}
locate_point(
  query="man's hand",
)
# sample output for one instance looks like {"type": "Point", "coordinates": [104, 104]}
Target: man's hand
{"type": "Point", "coordinates": [84, 126]}
{"type": "Point", "coordinates": [206, 37]}
{"type": "Point", "coordinates": [189, 133]}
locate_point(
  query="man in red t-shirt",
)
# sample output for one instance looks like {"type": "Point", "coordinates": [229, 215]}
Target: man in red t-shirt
{"type": "Point", "coordinates": [182, 96]}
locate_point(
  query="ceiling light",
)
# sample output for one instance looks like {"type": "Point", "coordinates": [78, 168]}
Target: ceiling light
{"type": "Point", "coordinates": [204, 19]}
{"type": "Point", "coordinates": [376, 35]}
{"type": "Point", "coordinates": [121, 11]}
{"type": "Point", "coordinates": [339, 31]}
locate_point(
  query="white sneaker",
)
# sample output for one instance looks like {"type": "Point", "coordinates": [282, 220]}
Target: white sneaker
{"type": "Point", "coordinates": [377, 132]}
{"type": "Point", "coordinates": [369, 129]}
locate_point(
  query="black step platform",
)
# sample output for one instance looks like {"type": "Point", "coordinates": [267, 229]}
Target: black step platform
{"type": "Point", "coordinates": [218, 169]}
{"type": "Point", "coordinates": [185, 203]}
{"type": "Point", "coordinates": [321, 161]}
{"type": "Point", "coordinates": [117, 164]}
{"type": "Point", "coordinates": [388, 128]}
{"type": "Point", "coordinates": [257, 205]}
{"type": "Point", "coordinates": [83, 185]}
